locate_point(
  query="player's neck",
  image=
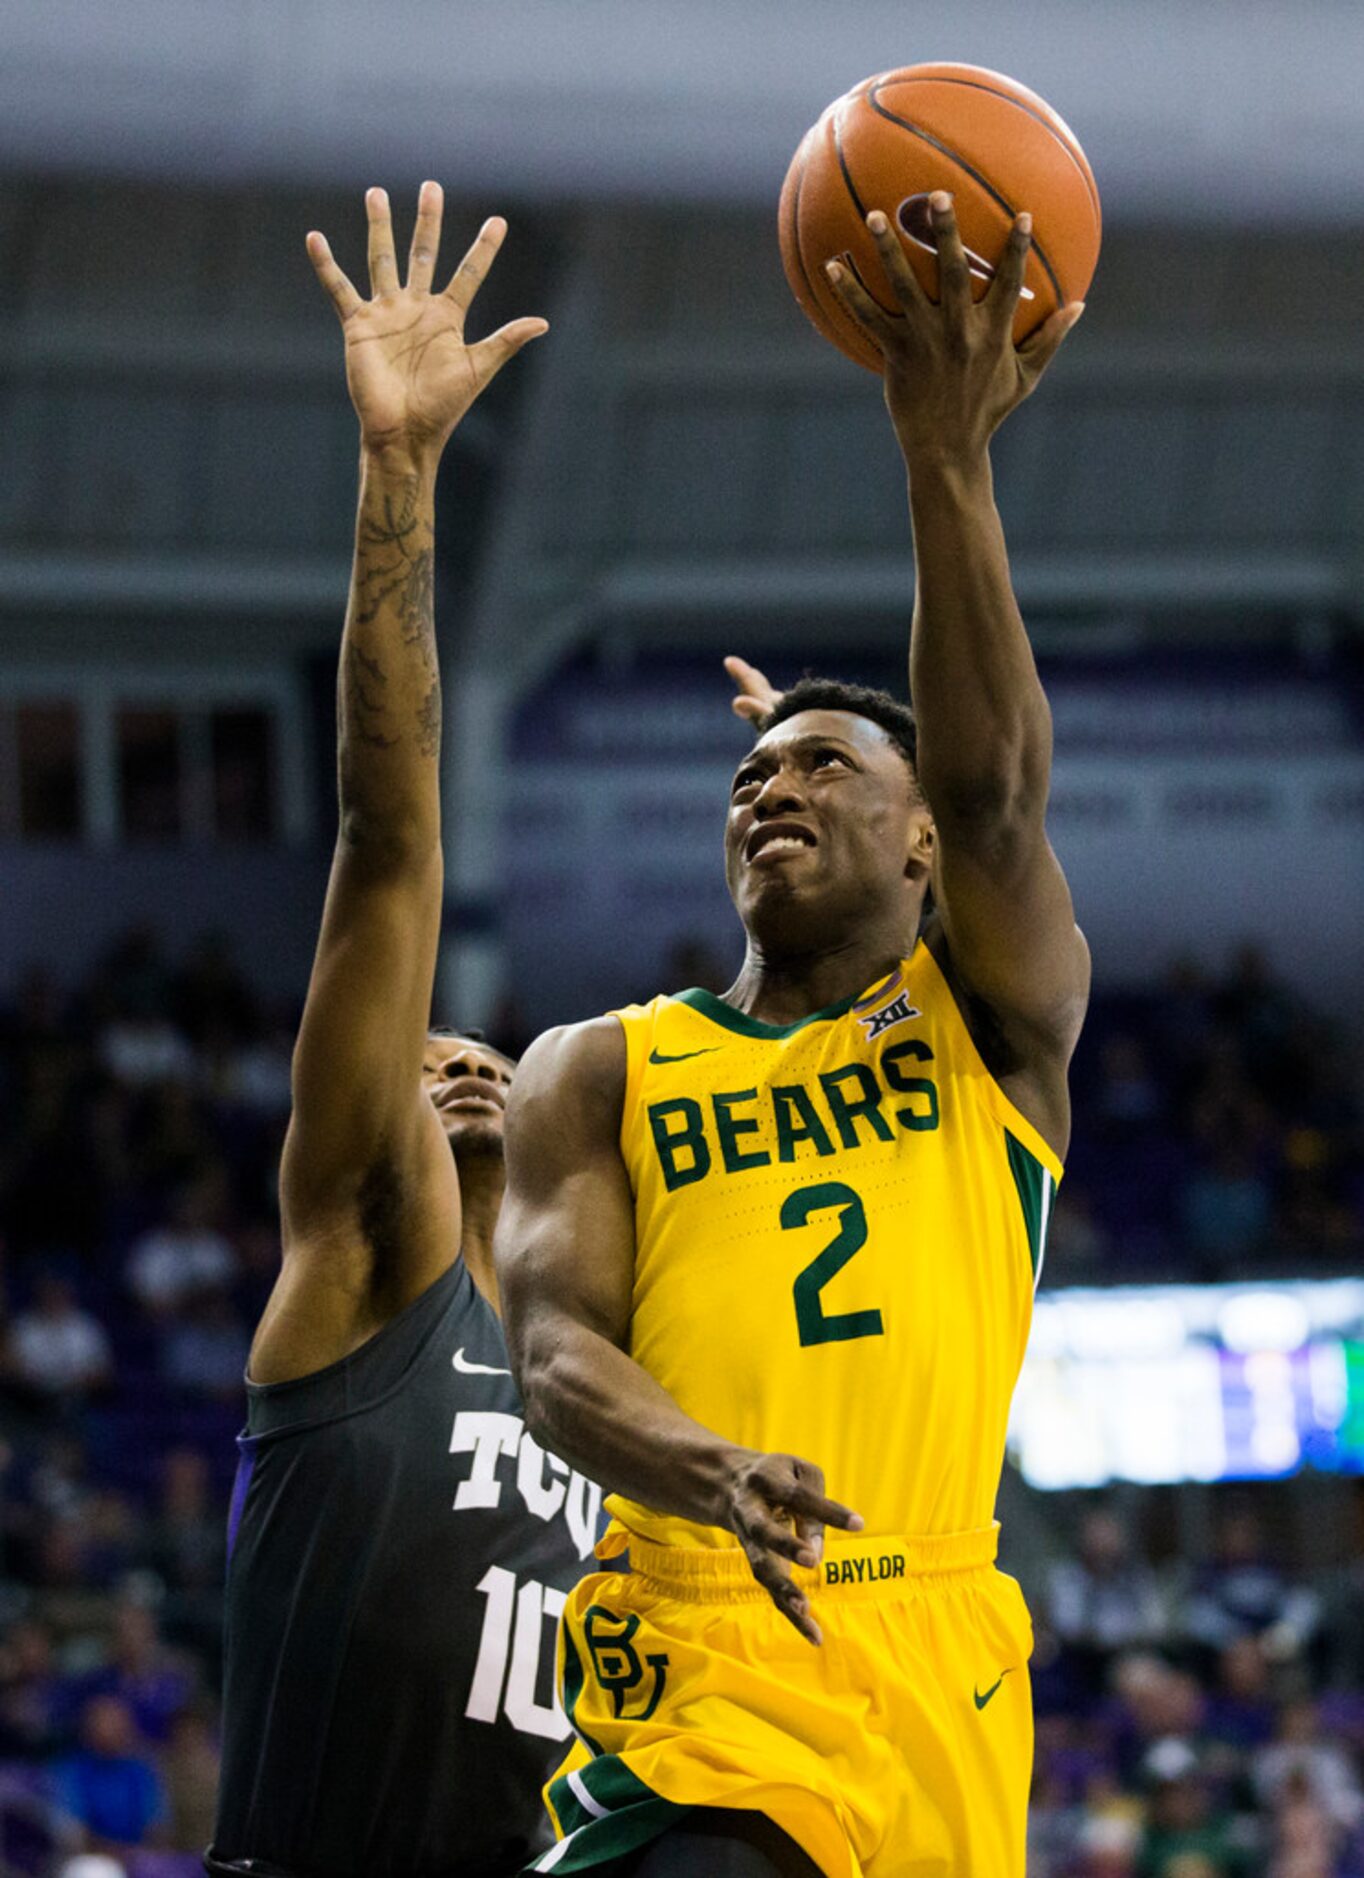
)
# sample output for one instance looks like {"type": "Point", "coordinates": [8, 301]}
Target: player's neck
{"type": "Point", "coordinates": [481, 1185]}
{"type": "Point", "coordinates": [789, 987]}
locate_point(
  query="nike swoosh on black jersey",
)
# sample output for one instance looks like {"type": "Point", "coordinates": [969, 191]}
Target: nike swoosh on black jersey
{"type": "Point", "coordinates": [467, 1367]}
{"type": "Point", "coordinates": [656, 1057]}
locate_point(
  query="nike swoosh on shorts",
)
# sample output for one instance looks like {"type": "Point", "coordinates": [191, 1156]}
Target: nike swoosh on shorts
{"type": "Point", "coordinates": [981, 1700]}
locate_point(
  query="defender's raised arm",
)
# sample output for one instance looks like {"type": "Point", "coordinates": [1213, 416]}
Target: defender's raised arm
{"type": "Point", "coordinates": [369, 1196]}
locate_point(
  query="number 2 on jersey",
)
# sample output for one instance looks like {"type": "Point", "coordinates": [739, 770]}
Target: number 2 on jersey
{"type": "Point", "coordinates": [814, 1323]}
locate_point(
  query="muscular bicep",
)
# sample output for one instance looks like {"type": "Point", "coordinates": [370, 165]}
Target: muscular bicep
{"type": "Point", "coordinates": [566, 1236]}
{"type": "Point", "coordinates": [1009, 922]}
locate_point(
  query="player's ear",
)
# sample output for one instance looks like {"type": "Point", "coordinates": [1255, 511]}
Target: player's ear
{"type": "Point", "coordinates": [919, 861]}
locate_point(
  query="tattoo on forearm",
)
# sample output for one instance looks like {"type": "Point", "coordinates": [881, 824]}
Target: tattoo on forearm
{"type": "Point", "coordinates": [394, 569]}
{"type": "Point", "coordinates": [365, 680]}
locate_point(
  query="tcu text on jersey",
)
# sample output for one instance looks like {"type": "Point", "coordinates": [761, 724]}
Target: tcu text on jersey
{"type": "Point", "coordinates": [516, 1653]}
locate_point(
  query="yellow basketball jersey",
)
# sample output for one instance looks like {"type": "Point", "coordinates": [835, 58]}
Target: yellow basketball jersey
{"type": "Point", "coordinates": [839, 1224]}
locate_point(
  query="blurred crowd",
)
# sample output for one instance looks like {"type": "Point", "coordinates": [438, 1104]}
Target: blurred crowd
{"type": "Point", "coordinates": [142, 1119]}
{"type": "Point", "coordinates": [1218, 1128]}
{"type": "Point", "coordinates": [141, 1115]}
{"type": "Point", "coordinates": [1196, 1723]}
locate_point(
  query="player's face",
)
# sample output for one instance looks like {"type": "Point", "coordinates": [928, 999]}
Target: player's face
{"type": "Point", "coordinates": [468, 1083]}
{"type": "Point", "coordinates": [824, 829]}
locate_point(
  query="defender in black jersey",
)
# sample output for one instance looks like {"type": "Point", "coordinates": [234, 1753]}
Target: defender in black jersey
{"type": "Point", "coordinates": [400, 1546]}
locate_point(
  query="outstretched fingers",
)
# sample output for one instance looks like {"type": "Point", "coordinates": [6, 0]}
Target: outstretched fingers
{"type": "Point", "coordinates": [492, 353]}
{"type": "Point", "coordinates": [334, 280]}
{"type": "Point", "coordinates": [472, 271]}
{"type": "Point", "coordinates": [421, 259]}
{"type": "Point", "coordinates": [383, 265]}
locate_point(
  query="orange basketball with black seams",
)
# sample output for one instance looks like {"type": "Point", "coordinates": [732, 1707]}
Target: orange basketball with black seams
{"type": "Point", "coordinates": [995, 146]}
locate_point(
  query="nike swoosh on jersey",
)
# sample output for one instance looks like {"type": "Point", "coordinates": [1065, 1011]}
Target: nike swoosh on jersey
{"type": "Point", "coordinates": [467, 1368]}
{"type": "Point", "coordinates": [656, 1056]}
{"type": "Point", "coordinates": [990, 1693]}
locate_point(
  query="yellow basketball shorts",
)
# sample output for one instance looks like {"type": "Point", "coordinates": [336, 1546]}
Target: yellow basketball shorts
{"type": "Point", "coordinates": [901, 1747]}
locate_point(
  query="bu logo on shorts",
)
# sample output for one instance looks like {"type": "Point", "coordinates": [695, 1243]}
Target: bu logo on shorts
{"type": "Point", "coordinates": [616, 1664]}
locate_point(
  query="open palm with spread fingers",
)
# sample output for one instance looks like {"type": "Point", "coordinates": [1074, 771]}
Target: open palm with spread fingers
{"type": "Point", "coordinates": [411, 372]}
{"type": "Point", "coordinates": [952, 370]}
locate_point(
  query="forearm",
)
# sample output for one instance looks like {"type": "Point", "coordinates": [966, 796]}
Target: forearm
{"type": "Point", "coordinates": [388, 689]}
{"type": "Point", "coordinates": [589, 1402]}
{"type": "Point", "coordinates": [984, 726]}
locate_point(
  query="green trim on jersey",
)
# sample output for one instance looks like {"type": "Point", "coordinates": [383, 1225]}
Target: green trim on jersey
{"type": "Point", "coordinates": [1036, 1190]}
{"type": "Point", "coordinates": [721, 1013]}
{"type": "Point", "coordinates": [603, 1811]}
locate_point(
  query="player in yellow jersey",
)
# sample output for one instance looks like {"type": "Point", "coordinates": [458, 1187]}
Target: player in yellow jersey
{"type": "Point", "coordinates": [790, 1235]}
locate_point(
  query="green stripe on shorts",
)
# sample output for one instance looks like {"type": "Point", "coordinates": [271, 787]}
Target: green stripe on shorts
{"type": "Point", "coordinates": [605, 1810]}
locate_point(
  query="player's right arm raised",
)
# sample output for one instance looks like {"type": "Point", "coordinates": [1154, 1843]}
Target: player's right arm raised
{"type": "Point", "coordinates": [565, 1264]}
{"type": "Point", "coordinates": [368, 1192]}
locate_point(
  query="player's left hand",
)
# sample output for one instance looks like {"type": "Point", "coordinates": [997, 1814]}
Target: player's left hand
{"type": "Point", "coordinates": [756, 695]}
{"type": "Point", "coordinates": [952, 370]}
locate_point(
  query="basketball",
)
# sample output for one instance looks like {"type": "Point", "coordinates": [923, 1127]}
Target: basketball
{"type": "Point", "coordinates": [995, 146]}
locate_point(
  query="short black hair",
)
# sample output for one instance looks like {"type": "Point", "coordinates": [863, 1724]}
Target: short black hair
{"type": "Point", "coordinates": [833, 694]}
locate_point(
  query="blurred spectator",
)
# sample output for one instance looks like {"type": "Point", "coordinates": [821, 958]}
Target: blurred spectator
{"type": "Point", "coordinates": [1108, 1846]}
{"type": "Point", "coordinates": [177, 1262]}
{"type": "Point", "coordinates": [152, 1681]}
{"type": "Point", "coordinates": [259, 1076]}
{"type": "Point", "coordinates": [1226, 1205]}
{"type": "Point", "coordinates": [1305, 1837]}
{"type": "Point", "coordinates": [191, 1769]}
{"type": "Point", "coordinates": [187, 1542]}
{"type": "Point", "coordinates": [107, 1784]}
{"type": "Point", "coordinates": [1242, 1593]}
{"type": "Point", "coordinates": [204, 1350]}
{"type": "Point", "coordinates": [1103, 1601]}
{"type": "Point", "coordinates": [1242, 1711]}
{"type": "Point", "coordinates": [56, 1348]}
{"type": "Point", "coordinates": [33, 1702]}
{"type": "Point", "coordinates": [1300, 1762]}
{"type": "Point", "coordinates": [1190, 1833]}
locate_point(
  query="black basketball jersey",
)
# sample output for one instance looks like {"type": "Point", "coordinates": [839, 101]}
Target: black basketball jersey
{"type": "Point", "coordinates": [399, 1550]}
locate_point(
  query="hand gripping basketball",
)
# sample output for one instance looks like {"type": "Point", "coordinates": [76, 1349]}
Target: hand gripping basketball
{"type": "Point", "coordinates": [952, 372]}
{"type": "Point", "coordinates": [777, 1509]}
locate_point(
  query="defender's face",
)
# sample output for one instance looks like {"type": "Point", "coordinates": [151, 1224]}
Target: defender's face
{"type": "Point", "coordinates": [823, 822]}
{"type": "Point", "coordinates": [468, 1083]}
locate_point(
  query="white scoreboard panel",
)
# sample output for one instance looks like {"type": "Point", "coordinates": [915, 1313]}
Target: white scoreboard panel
{"type": "Point", "coordinates": [1167, 1383]}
